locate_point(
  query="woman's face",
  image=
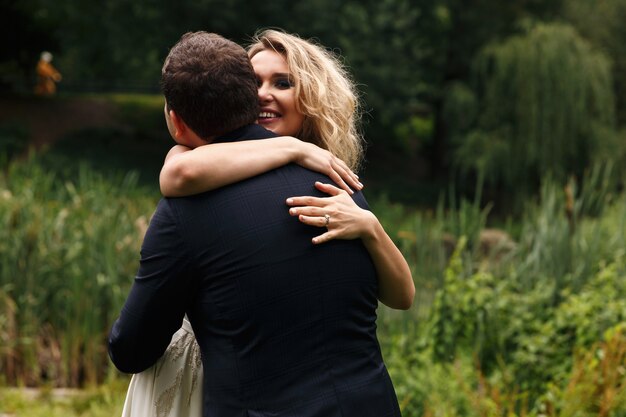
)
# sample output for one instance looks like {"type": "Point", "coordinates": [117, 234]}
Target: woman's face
{"type": "Point", "coordinates": [276, 94]}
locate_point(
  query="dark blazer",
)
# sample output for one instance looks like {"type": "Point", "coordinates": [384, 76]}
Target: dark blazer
{"type": "Point", "coordinates": [285, 327]}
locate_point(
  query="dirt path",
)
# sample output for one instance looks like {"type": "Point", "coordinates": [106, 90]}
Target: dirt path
{"type": "Point", "coordinates": [48, 119]}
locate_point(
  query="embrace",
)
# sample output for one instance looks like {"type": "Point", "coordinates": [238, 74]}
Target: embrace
{"type": "Point", "coordinates": [259, 278]}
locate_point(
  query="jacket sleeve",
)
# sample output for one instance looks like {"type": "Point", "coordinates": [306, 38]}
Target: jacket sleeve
{"type": "Point", "coordinates": [160, 294]}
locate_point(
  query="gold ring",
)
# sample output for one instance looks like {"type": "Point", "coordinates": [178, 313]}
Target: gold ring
{"type": "Point", "coordinates": [327, 217]}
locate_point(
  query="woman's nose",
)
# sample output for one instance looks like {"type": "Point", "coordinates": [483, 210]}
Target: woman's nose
{"type": "Point", "coordinates": [264, 93]}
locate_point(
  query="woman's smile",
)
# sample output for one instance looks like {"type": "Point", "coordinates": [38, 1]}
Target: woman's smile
{"type": "Point", "coordinates": [276, 94]}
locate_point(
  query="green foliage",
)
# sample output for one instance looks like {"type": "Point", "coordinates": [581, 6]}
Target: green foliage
{"type": "Point", "coordinates": [134, 139]}
{"type": "Point", "coordinates": [406, 56]}
{"type": "Point", "coordinates": [596, 383]}
{"type": "Point", "coordinates": [64, 271]}
{"type": "Point", "coordinates": [546, 106]}
{"type": "Point", "coordinates": [386, 45]}
{"type": "Point", "coordinates": [514, 334]}
{"type": "Point", "coordinates": [597, 189]}
{"type": "Point", "coordinates": [602, 24]}
{"type": "Point", "coordinates": [500, 324]}
{"type": "Point", "coordinates": [564, 246]}
{"type": "Point", "coordinates": [13, 141]}
{"type": "Point", "coordinates": [424, 387]}
{"type": "Point", "coordinates": [104, 401]}
{"type": "Point", "coordinates": [559, 292]}
{"type": "Point", "coordinates": [143, 112]}
{"type": "Point", "coordinates": [428, 238]}
{"type": "Point", "coordinates": [460, 108]}
{"type": "Point", "coordinates": [414, 133]}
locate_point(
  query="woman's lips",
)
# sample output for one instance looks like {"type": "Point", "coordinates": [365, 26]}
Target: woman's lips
{"type": "Point", "coordinates": [267, 117]}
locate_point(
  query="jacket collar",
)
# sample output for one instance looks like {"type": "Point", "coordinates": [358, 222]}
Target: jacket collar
{"type": "Point", "coordinates": [248, 132]}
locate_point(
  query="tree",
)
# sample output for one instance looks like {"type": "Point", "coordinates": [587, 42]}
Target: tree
{"type": "Point", "coordinates": [544, 104]}
{"type": "Point", "coordinates": [602, 23]}
{"type": "Point", "coordinates": [471, 25]}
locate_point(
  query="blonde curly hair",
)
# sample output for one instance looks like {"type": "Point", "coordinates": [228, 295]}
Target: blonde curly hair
{"type": "Point", "coordinates": [325, 94]}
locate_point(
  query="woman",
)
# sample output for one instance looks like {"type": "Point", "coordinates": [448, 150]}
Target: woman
{"type": "Point", "coordinates": [304, 92]}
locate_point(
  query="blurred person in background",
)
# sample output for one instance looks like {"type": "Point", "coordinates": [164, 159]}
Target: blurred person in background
{"type": "Point", "coordinates": [47, 76]}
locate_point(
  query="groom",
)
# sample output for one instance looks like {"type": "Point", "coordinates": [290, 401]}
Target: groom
{"type": "Point", "coordinates": [285, 327]}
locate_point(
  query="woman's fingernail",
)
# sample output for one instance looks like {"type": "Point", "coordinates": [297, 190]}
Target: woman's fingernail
{"type": "Point", "coordinates": [289, 200]}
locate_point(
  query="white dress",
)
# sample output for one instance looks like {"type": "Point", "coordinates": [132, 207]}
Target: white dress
{"type": "Point", "coordinates": [172, 387]}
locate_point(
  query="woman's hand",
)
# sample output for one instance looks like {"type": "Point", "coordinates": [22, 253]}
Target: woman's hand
{"type": "Point", "coordinates": [320, 160]}
{"type": "Point", "coordinates": [344, 219]}
{"type": "Point", "coordinates": [339, 214]}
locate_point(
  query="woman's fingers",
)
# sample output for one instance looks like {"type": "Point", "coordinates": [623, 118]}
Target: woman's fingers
{"type": "Point", "coordinates": [308, 211]}
{"type": "Point", "coordinates": [338, 213]}
{"type": "Point", "coordinates": [324, 237]}
{"type": "Point", "coordinates": [347, 176]}
{"type": "Point", "coordinates": [337, 177]}
{"type": "Point", "coordinates": [315, 201]}
{"type": "Point", "coordinates": [313, 220]}
{"type": "Point", "coordinates": [317, 206]}
{"type": "Point", "coordinates": [321, 160]}
{"type": "Point", "coordinates": [350, 177]}
{"type": "Point", "coordinates": [319, 222]}
{"type": "Point", "coordinates": [327, 188]}
{"type": "Point", "coordinates": [306, 201]}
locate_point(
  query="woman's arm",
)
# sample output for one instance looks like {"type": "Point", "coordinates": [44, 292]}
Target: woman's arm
{"type": "Point", "coordinates": [346, 220]}
{"type": "Point", "coordinates": [192, 171]}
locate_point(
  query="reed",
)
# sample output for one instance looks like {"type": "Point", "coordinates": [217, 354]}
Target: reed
{"type": "Point", "coordinates": [68, 252]}
{"type": "Point", "coordinates": [427, 238]}
{"type": "Point", "coordinates": [564, 245]}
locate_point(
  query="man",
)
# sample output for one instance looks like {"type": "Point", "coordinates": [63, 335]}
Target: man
{"type": "Point", "coordinates": [285, 327]}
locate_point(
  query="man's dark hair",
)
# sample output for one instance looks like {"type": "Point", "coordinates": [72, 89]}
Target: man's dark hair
{"type": "Point", "coordinates": [210, 84]}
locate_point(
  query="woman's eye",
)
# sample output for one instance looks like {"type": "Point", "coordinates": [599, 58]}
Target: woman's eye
{"type": "Point", "coordinates": [284, 83]}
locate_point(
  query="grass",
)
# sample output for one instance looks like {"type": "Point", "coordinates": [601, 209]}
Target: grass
{"type": "Point", "coordinates": [104, 401]}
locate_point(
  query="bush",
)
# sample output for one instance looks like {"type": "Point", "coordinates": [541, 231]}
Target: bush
{"type": "Point", "coordinates": [498, 322]}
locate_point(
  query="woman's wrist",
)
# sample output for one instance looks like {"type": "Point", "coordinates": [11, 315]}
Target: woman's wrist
{"type": "Point", "coordinates": [296, 149]}
{"type": "Point", "coordinates": [372, 230]}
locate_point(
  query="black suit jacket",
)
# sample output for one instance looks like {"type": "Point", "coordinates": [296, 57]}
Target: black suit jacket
{"type": "Point", "coordinates": [285, 327]}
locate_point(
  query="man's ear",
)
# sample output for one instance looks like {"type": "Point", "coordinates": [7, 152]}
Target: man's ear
{"type": "Point", "coordinates": [182, 133]}
{"type": "Point", "coordinates": [180, 127]}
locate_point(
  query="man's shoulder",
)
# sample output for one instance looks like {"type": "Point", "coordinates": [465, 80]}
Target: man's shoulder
{"type": "Point", "coordinates": [163, 212]}
{"type": "Point", "coordinates": [170, 211]}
